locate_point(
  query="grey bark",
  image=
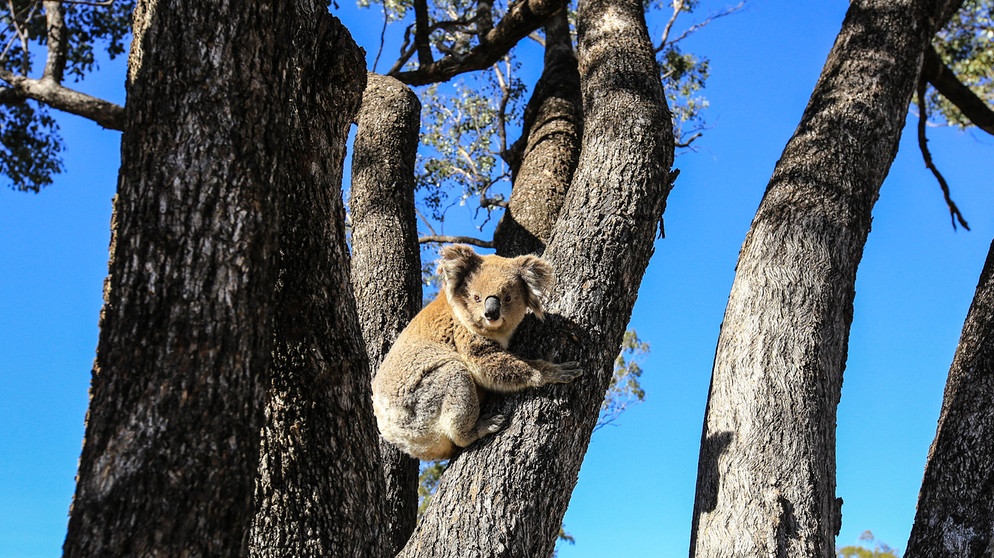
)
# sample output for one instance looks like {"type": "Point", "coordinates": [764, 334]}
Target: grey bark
{"type": "Point", "coordinates": [546, 155]}
{"type": "Point", "coordinates": [506, 494]}
{"type": "Point", "coordinates": [955, 515]}
{"type": "Point", "coordinates": [227, 267]}
{"type": "Point", "coordinates": [766, 477]}
{"type": "Point", "coordinates": [386, 259]}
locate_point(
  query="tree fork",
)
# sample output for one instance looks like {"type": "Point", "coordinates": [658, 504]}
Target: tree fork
{"type": "Point", "coordinates": [506, 494]}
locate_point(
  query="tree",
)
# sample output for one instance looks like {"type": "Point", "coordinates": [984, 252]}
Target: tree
{"type": "Point", "coordinates": [231, 339]}
{"type": "Point", "coordinates": [230, 347]}
{"type": "Point", "coordinates": [955, 513]}
{"type": "Point", "coordinates": [766, 475]}
{"type": "Point", "coordinates": [233, 425]}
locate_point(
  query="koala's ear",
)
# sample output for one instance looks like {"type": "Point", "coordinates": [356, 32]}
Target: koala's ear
{"type": "Point", "coordinates": [537, 276]}
{"type": "Point", "coordinates": [458, 261]}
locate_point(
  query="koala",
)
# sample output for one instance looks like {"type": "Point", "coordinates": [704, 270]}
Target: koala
{"type": "Point", "coordinates": [428, 391]}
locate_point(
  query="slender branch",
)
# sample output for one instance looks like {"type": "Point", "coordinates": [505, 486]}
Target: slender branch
{"type": "Point", "coordinates": [104, 113]}
{"type": "Point", "coordinates": [457, 240]}
{"type": "Point", "coordinates": [523, 17]}
{"type": "Point", "coordinates": [954, 212]}
{"type": "Point", "coordinates": [383, 34]}
{"type": "Point", "coordinates": [697, 26]}
{"type": "Point", "coordinates": [421, 33]}
{"type": "Point", "coordinates": [949, 86]}
{"type": "Point", "coordinates": [677, 8]}
{"type": "Point", "coordinates": [688, 141]}
{"type": "Point", "coordinates": [424, 219]}
{"type": "Point", "coordinates": [55, 63]}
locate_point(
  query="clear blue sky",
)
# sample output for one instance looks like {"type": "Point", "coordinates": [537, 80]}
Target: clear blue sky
{"type": "Point", "coordinates": [635, 492]}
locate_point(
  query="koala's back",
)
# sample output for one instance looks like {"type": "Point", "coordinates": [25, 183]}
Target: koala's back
{"type": "Point", "coordinates": [411, 382]}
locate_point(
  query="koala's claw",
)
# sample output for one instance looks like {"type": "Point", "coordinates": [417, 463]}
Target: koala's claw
{"type": "Point", "coordinates": [491, 423]}
{"type": "Point", "coordinates": [565, 372]}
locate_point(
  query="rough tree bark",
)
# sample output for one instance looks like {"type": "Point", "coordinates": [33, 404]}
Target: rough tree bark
{"type": "Point", "coordinates": [386, 260]}
{"type": "Point", "coordinates": [227, 236]}
{"type": "Point", "coordinates": [319, 489]}
{"type": "Point", "coordinates": [172, 430]}
{"type": "Point", "coordinates": [766, 478]}
{"type": "Point", "coordinates": [545, 157]}
{"type": "Point", "coordinates": [506, 495]}
{"type": "Point", "coordinates": [956, 505]}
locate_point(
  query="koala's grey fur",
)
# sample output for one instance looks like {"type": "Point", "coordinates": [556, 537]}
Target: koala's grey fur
{"type": "Point", "coordinates": [427, 392]}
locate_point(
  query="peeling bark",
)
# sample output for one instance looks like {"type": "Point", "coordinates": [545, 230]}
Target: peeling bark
{"type": "Point", "coordinates": [955, 515]}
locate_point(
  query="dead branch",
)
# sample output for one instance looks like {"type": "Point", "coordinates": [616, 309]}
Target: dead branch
{"type": "Point", "coordinates": [954, 212]}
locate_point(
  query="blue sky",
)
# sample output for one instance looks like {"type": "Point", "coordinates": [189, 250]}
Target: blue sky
{"type": "Point", "coordinates": [635, 492]}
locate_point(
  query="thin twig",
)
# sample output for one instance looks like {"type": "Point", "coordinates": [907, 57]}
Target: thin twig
{"type": "Point", "coordinates": [424, 220]}
{"type": "Point", "coordinates": [954, 212]}
{"type": "Point", "coordinates": [697, 26]}
{"type": "Point", "coordinates": [383, 34]}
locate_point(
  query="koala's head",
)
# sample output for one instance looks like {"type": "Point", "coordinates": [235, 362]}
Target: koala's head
{"type": "Point", "coordinates": [490, 295]}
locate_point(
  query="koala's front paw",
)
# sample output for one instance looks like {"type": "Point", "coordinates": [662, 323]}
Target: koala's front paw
{"type": "Point", "coordinates": [562, 373]}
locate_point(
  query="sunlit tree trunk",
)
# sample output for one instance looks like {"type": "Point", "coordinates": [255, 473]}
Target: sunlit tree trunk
{"type": "Point", "coordinates": [766, 478]}
{"type": "Point", "coordinates": [506, 495]}
{"type": "Point", "coordinates": [956, 505]}
{"type": "Point", "coordinates": [386, 270]}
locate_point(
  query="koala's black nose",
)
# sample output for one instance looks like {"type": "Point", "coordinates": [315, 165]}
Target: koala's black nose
{"type": "Point", "coordinates": [491, 308]}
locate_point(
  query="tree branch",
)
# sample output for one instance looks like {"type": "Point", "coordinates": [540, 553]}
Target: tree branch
{"type": "Point", "coordinates": [104, 113]}
{"type": "Point", "coordinates": [55, 63]}
{"type": "Point", "coordinates": [949, 86]}
{"type": "Point", "coordinates": [693, 28]}
{"type": "Point", "coordinates": [954, 212]}
{"type": "Point", "coordinates": [523, 17]}
{"type": "Point", "coordinates": [421, 33]}
{"type": "Point", "coordinates": [456, 240]}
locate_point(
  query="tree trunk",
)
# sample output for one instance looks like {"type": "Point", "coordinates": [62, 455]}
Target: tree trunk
{"type": "Point", "coordinates": [319, 489]}
{"type": "Point", "coordinates": [766, 477]}
{"type": "Point", "coordinates": [956, 505]}
{"type": "Point", "coordinates": [172, 431]}
{"type": "Point", "coordinates": [228, 278]}
{"type": "Point", "coordinates": [545, 157]}
{"type": "Point", "coordinates": [386, 260]}
{"type": "Point", "coordinates": [506, 494]}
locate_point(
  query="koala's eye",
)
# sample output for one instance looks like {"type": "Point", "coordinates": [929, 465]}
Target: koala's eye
{"type": "Point", "coordinates": [507, 297]}
{"type": "Point", "coordinates": [476, 298]}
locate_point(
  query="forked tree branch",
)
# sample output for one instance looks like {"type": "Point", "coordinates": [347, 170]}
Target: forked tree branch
{"type": "Point", "coordinates": [954, 212]}
{"type": "Point", "coordinates": [523, 17]}
{"type": "Point", "coordinates": [949, 86]}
